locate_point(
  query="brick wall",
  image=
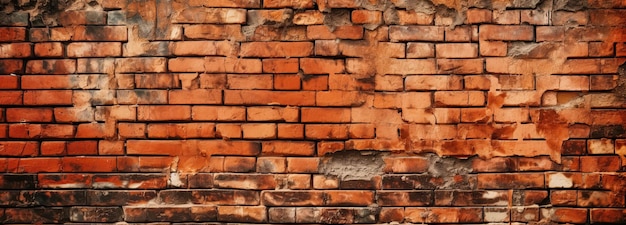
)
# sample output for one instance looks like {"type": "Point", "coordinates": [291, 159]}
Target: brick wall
{"type": "Point", "coordinates": [313, 111]}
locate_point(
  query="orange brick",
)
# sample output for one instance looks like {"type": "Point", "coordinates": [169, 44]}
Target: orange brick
{"type": "Point", "coordinates": [36, 165]}
{"type": "Point", "coordinates": [276, 49]}
{"type": "Point", "coordinates": [48, 97]}
{"type": "Point", "coordinates": [302, 165]}
{"type": "Point", "coordinates": [23, 115]}
{"type": "Point", "coordinates": [460, 98]}
{"type": "Point", "coordinates": [228, 131]}
{"type": "Point", "coordinates": [508, 17]}
{"type": "Point", "coordinates": [456, 50]}
{"type": "Point", "coordinates": [367, 17]}
{"type": "Point", "coordinates": [132, 130]}
{"type": "Point", "coordinates": [15, 50]}
{"type": "Point", "coordinates": [506, 33]}
{"type": "Point", "coordinates": [322, 32]}
{"type": "Point", "coordinates": [339, 98]}
{"type": "Point", "coordinates": [315, 83]}
{"type": "Point", "coordinates": [321, 66]}
{"type": "Point", "coordinates": [427, 82]}
{"type": "Point", "coordinates": [218, 113]}
{"type": "Point", "coordinates": [326, 131]}
{"type": "Point", "coordinates": [287, 82]}
{"type": "Point", "coordinates": [309, 17]}
{"type": "Point", "coordinates": [286, 114]}
{"type": "Point", "coordinates": [159, 113]}
{"type": "Point", "coordinates": [410, 17]}
{"type": "Point", "coordinates": [416, 33]}
{"type": "Point", "coordinates": [51, 66]}
{"type": "Point", "coordinates": [288, 148]}
{"type": "Point", "coordinates": [305, 98]}
{"type": "Point", "coordinates": [290, 131]}
{"type": "Point", "coordinates": [475, 16]}
{"type": "Point", "coordinates": [214, 32]}
{"type": "Point", "coordinates": [280, 65]}
{"type": "Point", "coordinates": [198, 96]}
{"type": "Point", "coordinates": [110, 147]}
{"type": "Point", "coordinates": [259, 130]}
{"type": "Point", "coordinates": [183, 130]}
{"type": "Point", "coordinates": [201, 48]}
{"type": "Point", "coordinates": [249, 82]}
{"type": "Point", "coordinates": [460, 66]}
{"type": "Point", "coordinates": [94, 49]}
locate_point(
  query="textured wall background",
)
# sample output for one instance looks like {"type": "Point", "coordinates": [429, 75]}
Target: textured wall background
{"type": "Point", "coordinates": [313, 111]}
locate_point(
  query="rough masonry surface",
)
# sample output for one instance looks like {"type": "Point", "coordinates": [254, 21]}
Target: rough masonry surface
{"type": "Point", "coordinates": [312, 112]}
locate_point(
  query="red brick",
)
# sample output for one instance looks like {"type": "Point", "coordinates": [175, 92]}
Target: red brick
{"type": "Point", "coordinates": [461, 98]}
{"type": "Point", "coordinates": [53, 148]}
{"type": "Point", "coordinates": [17, 148]}
{"type": "Point", "coordinates": [110, 147]}
{"type": "Point", "coordinates": [36, 165]}
{"type": "Point", "coordinates": [51, 66]}
{"type": "Point", "coordinates": [288, 148]}
{"type": "Point", "coordinates": [514, 181]}
{"type": "Point", "coordinates": [64, 180]}
{"type": "Point", "coordinates": [201, 48]}
{"type": "Point", "coordinates": [276, 49]}
{"type": "Point", "coordinates": [15, 50]}
{"type": "Point", "coordinates": [8, 82]}
{"type": "Point", "coordinates": [608, 215]}
{"type": "Point", "coordinates": [227, 3]}
{"type": "Point", "coordinates": [48, 97]}
{"type": "Point", "coordinates": [243, 214]}
{"type": "Point", "coordinates": [600, 163]}
{"type": "Point", "coordinates": [89, 164]}
{"type": "Point", "coordinates": [74, 17]}
{"type": "Point", "coordinates": [11, 34]}
{"type": "Point", "coordinates": [49, 49]}
{"type": "Point", "coordinates": [22, 115]}
{"type": "Point", "coordinates": [82, 148]}
{"type": "Point", "coordinates": [287, 82]}
{"type": "Point", "coordinates": [568, 215]}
